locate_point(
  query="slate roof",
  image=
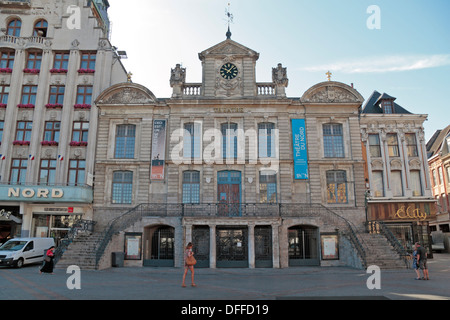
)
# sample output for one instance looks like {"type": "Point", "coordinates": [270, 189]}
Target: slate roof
{"type": "Point", "coordinates": [372, 105]}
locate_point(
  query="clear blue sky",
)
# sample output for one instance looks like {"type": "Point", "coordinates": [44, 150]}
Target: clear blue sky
{"type": "Point", "coordinates": [408, 57]}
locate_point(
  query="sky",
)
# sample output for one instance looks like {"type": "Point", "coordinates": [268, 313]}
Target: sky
{"type": "Point", "coordinates": [399, 47]}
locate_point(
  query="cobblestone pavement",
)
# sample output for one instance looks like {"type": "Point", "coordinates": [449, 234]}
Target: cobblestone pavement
{"type": "Point", "coordinates": [226, 284]}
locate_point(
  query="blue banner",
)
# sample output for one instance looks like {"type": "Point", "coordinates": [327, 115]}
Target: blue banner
{"type": "Point", "coordinates": [300, 149]}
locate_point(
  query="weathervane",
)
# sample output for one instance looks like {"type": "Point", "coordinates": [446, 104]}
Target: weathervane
{"type": "Point", "coordinates": [230, 20]}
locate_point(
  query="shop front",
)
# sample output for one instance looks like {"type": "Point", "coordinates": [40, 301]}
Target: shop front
{"type": "Point", "coordinates": [10, 222]}
{"type": "Point", "coordinates": [44, 211]}
{"type": "Point", "coordinates": [408, 221]}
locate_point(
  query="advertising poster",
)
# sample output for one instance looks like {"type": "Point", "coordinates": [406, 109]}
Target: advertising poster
{"type": "Point", "coordinates": [158, 149]}
{"type": "Point", "coordinates": [300, 151]}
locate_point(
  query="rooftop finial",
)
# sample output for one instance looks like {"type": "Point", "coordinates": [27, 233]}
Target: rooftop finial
{"type": "Point", "coordinates": [230, 20]}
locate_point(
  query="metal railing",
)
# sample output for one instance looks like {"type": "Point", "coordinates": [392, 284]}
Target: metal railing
{"type": "Point", "coordinates": [234, 211]}
{"type": "Point", "coordinates": [77, 227]}
{"type": "Point", "coordinates": [379, 227]}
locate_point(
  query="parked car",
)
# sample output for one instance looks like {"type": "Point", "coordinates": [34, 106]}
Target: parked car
{"type": "Point", "coordinates": [20, 251]}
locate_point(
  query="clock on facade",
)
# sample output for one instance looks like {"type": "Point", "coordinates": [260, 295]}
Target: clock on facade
{"type": "Point", "coordinates": [229, 71]}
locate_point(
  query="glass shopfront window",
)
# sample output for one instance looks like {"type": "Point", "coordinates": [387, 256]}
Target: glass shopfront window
{"type": "Point", "coordinates": [54, 226]}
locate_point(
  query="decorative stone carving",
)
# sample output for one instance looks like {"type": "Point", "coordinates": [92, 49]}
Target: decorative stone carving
{"type": "Point", "coordinates": [414, 164]}
{"type": "Point", "coordinates": [177, 75]}
{"type": "Point", "coordinates": [279, 75]}
{"type": "Point", "coordinates": [332, 92]}
{"type": "Point", "coordinates": [396, 164]}
{"type": "Point", "coordinates": [127, 95]}
{"type": "Point", "coordinates": [377, 165]}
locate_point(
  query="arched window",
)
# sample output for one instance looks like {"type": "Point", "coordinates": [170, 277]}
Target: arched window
{"type": "Point", "coordinates": [13, 28]}
{"type": "Point", "coordinates": [40, 28]}
{"type": "Point", "coordinates": [122, 187]}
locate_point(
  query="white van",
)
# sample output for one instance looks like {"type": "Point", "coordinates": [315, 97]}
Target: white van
{"type": "Point", "coordinates": [20, 251]}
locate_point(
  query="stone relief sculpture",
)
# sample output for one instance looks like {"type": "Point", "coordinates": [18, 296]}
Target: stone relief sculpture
{"type": "Point", "coordinates": [177, 75]}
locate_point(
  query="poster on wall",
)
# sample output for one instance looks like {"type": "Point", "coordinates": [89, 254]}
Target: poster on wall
{"type": "Point", "coordinates": [133, 246]}
{"type": "Point", "coordinates": [330, 246]}
{"type": "Point", "coordinates": [300, 151]}
{"type": "Point", "coordinates": [158, 149]}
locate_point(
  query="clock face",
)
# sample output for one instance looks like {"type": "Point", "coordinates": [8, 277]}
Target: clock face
{"type": "Point", "coordinates": [229, 71]}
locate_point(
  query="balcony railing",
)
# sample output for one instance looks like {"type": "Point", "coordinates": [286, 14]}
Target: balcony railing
{"type": "Point", "coordinates": [16, 3]}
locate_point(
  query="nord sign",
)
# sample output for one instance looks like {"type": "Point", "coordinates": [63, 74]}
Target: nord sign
{"type": "Point", "coordinates": [39, 193]}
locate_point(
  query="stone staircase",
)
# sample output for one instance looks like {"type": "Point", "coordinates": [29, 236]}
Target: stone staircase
{"type": "Point", "coordinates": [81, 252]}
{"type": "Point", "coordinates": [380, 252]}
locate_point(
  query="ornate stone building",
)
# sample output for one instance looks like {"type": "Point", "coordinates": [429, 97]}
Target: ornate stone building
{"type": "Point", "coordinates": [397, 176]}
{"type": "Point", "coordinates": [252, 177]}
{"type": "Point", "coordinates": [55, 58]}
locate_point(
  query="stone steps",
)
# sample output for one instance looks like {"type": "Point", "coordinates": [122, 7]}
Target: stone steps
{"type": "Point", "coordinates": [380, 252]}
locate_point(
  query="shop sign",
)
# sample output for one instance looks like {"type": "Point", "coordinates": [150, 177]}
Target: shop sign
{"type": "Point", "coordinates": [410, 214]}
{"type": "Point", "coordinates": [39, 193]}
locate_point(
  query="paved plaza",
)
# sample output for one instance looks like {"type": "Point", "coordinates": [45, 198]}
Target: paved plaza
{"type": "Point", "coordinates": [226, 284]}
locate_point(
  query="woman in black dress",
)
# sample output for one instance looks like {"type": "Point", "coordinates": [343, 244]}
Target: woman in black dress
{"type": "Point", "coordinates": [48, 261]}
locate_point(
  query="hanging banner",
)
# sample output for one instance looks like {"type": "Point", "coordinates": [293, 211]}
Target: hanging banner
{"type": "Point", "coordinates": [300, 149]}
{"type": "Point", "coordinates": [158, 149]}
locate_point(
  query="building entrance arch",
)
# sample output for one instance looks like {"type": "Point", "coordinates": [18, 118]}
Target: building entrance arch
{"type": "Point", "coordinates": [159, 246]}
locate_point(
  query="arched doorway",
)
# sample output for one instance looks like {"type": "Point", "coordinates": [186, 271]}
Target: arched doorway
{"type": "Point", "coordinates": [303, 243]}
{"type": "Point", "coordinates": [159, 246]}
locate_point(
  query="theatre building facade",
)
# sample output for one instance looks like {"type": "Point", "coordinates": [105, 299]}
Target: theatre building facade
{"type": "Point", "coordinates": [251, 177]}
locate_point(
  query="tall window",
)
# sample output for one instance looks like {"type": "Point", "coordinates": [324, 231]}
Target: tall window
{"type": "Point", "coordinates": [377, 183]}
{"type": "Point", "coordinates": [13, 28]}
{"type": "Point", "coordinates": [267, 187]}
{"type": "Point", "coordinates": [266, 140]}
{"type": "Point", "coordinates": [84, 95]}
{"type": "Point", "coordinates": [396, 183]}
{"type": "Point", "coordinates": [229, 140]}
{"type": "Point", "coordinates": [191, 187]}
{"type": "Point", "coordinates": [29, 95]}
{"type": "Point", "coordinates": [18, 171]}
{"type": "Point", "coordinates": [122, 187]}
{"type": "Point", "coordinates": [34, 60]}
{"type": "Point", "coordinates": [374, 145]}
{"type": "Point", "coordinates": [88, 60]}
{"type": "Point", "coordinates": [40, 28]}
{"type": "Point", "coordinates": [411, 144]}
{"type": "Point", "coordinates": [4, 94]}
{"type": "Point", "coordinates": [56, 95]}
{"type": "Point", "coordinates": [51, 131]}
{"type": "Point", "coordinates": [80, 131]}
{"type": "Point", "coordinates": [47, 172]}
{"type": "Point", "coordinates": [416, 185]}
{"type": "Point", "coordinates": [125, 140]}
{"type": "Point", "coordinates": [61, 60]}
{"type": "Point", "coordinates": [23, 130]}
{"type": "Point", "coordinates": [435, 181]}
{"type": "Point", "coordinates": [191, 140]}
{"type": "Point", "coordinates": [392, 143]}
{"type": "Point", "coordinates": [7, 59]}
{"type": "Point", "coordinates": [337, 187]}
{"type": "Point", "coordinates": [76, 172]}
{"type": "Point", "coordinates": [333, 141]}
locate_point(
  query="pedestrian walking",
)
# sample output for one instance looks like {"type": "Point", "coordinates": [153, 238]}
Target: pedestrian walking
{"type": "Point", "coordinates": [422, 261]}
{"type": "Point", "coordinates": [48, 261]}
{"type": "Point", "coordinates": [189, 262]}
{"type": "Point", "coordinates": [415, 265]}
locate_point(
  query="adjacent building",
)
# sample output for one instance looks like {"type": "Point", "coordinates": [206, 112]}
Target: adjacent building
{"type": "Point", "coordinates": [55, 59]}
{"type": "Point", "coordinates": [438, 148]}
{"type": "Point", "coordinates": [397, 176]}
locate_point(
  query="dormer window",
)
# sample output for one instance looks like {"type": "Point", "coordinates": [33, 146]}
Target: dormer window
{"type": "Point", "coordinates": [40, 28]}
{"type": "Point", "coordinates": [387, 107]}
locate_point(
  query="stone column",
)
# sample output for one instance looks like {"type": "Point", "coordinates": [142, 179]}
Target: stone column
{"type": "Point", "coordinates": [275, 246]}
{"type": "Point", "coordinates": [251, 245]}
{"type": "Point", "coordinates": [212, 246]}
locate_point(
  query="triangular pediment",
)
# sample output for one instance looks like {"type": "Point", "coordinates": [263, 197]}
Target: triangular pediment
{"type": "Point", "coordinates": [228, 48]}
